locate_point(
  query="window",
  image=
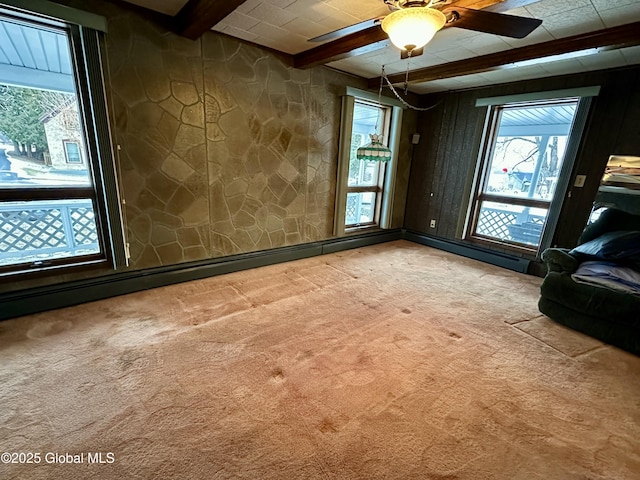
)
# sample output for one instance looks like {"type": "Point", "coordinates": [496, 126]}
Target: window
{"type": "Point", "coordinates": [365, 188]}
{"type": "Point", "coordinates": [366, 179]}
{"type": "Point", "coordinates": [55, 209]}
{"type": "Point", "coordinates": [523, 171]}
{"type": "Point", "coordinates": [72, 152]}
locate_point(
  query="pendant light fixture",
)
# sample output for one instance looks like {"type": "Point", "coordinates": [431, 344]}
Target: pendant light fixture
{"type": "Point", "coordinates": [375, 150]}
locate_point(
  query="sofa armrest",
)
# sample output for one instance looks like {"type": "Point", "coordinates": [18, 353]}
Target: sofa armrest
{"type": "Point", "coordinates": [559, 260]}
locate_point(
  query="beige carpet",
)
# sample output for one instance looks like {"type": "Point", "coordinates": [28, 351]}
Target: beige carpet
{"type": "Point", "coordinates": [395, 361]}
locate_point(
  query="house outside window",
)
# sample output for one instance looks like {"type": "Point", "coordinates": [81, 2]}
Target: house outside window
{"type": "Point", "coordinates": [523, 171]}
{"type": "Point", "coordinates": [55, 210]}
{"type": "Point", "coordinates": [365, 188]}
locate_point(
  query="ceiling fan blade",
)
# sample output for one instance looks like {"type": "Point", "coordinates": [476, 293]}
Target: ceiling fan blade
{"type": "Point", "coordinates": [341, 32]}
{"type": "Point", "coordinates": [491, 22]}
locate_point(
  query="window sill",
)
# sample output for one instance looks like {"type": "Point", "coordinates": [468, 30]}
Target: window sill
{"type": "Point", "coordinates": [525, 251]}
{"type": "Point", "coordinates": [29, 271]}
{"type": "Point", "coordinates": [362, 228]}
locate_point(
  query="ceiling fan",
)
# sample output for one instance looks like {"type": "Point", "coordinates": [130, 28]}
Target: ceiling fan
{"type": "Point", "coordinates": [413, 23]}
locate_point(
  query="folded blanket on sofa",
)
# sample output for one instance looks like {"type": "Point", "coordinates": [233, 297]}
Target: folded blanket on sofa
{"type": "Point", "coordinates": [609, 275]}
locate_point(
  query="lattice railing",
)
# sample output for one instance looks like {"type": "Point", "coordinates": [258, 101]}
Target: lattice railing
{"type": "Point", "coordinates": [357, 210]}
{"type": "Point", "coordinates": [49, 229]}
{"type": "Point", "coordinates": [496, 223]}
{"type": "Point", "coordinates": [352, 209]}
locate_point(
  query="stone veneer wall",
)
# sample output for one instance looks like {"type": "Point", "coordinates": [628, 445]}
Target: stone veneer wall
{"type": "Point", "coordinates": [222, 147]}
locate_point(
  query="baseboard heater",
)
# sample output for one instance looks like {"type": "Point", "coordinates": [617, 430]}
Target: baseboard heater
{"type": "Point", "coordinates": [510, 262]}
{"type": "Point", "coordinates": [40, 299]}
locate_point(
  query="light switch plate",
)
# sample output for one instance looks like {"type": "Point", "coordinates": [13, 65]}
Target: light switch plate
{"type": "Point", "coordinates": [580, 179]}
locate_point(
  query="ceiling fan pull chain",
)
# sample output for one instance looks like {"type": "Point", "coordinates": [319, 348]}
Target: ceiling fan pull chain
{"type": "Point", "coordinates": [406, 77]}
{"type": "Point", "coordinates": [402, 100]}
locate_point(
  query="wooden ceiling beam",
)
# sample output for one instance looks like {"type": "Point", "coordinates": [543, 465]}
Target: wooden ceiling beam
{"type": "Point", "coordinates": [609, 38]}
{"type": "Point", "coordinates": [199, 16]}
{"type": "Point", "coordinates": [357, 43]}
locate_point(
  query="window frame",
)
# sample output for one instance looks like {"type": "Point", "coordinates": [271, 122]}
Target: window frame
{"type": "Point", "coordinates": [86, 45]}
{"type": "Point", "coordinates": [385, 186]}
{"type": "Point", "coordinates": [377, 187]}
{"type": "Point", "coordinates": [477, 196]}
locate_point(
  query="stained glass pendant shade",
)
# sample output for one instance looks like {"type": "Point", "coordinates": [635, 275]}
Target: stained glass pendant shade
{"type": "Point", "coordinates": [374, 151]}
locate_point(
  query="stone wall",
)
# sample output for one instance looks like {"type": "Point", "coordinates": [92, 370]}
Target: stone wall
{"type": "Point", "coordinates": [223, 148]}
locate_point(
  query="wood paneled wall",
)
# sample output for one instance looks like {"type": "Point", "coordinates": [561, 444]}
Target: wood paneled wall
{"type": "Point", "coordinates": [451, 133]}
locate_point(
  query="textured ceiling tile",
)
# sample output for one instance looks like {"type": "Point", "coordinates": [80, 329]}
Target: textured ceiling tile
{"type": "Point", "coordinates": [613, 17]}
{"type": "Point", "coordinates": [519, 12]}
{"type": "Point", "coordinates": [272, 15]}
{"type": "Point", "coordinates": [514, 74]}
{"type": "Point", "coordinates": [631, 55]}
{"type": "Point", "coordinates": [278, 38]}
{"type": "Point", "coordinates": [610, 59]}
{"type": "Point", "coordinates": [602, 5]}
{"type": "Point", "coordinates": [340, 21]}
{"type": "Point", "coordinates": [360, 69]}
{"type": "Point", "coordinates": [391, 68]}
{"type": "Point", "coordinates": [313, 9]}
{"type": "Point", "coordinates": [382, 56]}
{"type": "Point", "coordinates": [282, 3]}
{"type": "Point", "coordinates": [248, 5]}
{"type": "Point", "coordinates": [545, 8]}
{"type": "Point", "coordinates": [435, 86]}
{"type": "Point", "coordinates": [444, 39]}
{"type": "Point", "coordinates": [499, 76]}
{"type": "Point", "coordinates": [451, 55]}
{"type": "Point", "coordinates": [573, 22]}
{"type": "Point", "coordinates": [305, 28]}
{"type": "Point", "coordinates": [485, 44]}
{"type": "Point", "coordinates": [240, 21]}
{"type": "Point", "coordinates": [361, 9]}
{"type": "Point", "coordinates": [562, 67]}
{"type": "Point", "coordinates": [242, 34]}
{"type": "Point", "coordinates": [268, 31]}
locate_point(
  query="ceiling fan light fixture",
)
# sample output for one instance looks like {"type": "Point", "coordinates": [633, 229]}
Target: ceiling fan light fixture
{"type": "Point", "coordinates": [413, 27]}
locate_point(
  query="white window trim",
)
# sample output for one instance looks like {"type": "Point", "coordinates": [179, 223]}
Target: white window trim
{"type": "Point", "coordinates": [344, 143]}
{"type": "Point", "coordinates": [592, 91]}
{"type": "Point", "coordinates": [56, 12]}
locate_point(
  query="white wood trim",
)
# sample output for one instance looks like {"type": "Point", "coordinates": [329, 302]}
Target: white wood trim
{"type": "Point", "coordinates": [56, 12]}
{"type": "Point", "coordinates": [386, 210]}
{"type": "Point", "coordinates": [528, 97]}
{"type": "Point", "coordinates": [344, 144]}
{"type": "Point", "coordinates": [373, 96]}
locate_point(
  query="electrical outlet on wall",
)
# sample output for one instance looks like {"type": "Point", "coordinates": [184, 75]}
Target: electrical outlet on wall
{"type": "Point", "coordinates": [432, 224]}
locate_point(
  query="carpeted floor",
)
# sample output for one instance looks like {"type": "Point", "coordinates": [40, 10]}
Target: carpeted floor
{"type": "Point", "coordinates": [394, 361]}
